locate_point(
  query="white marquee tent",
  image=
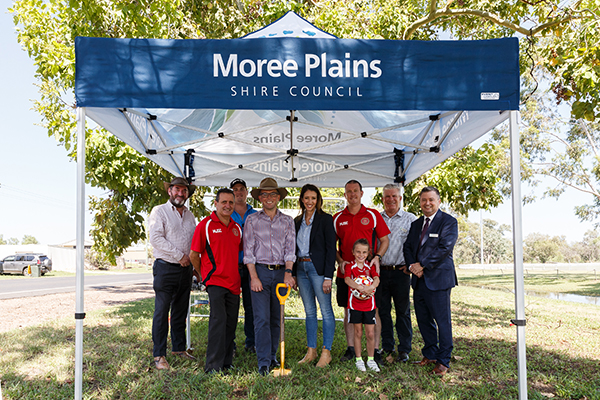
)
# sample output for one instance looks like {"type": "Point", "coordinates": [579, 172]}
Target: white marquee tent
{"type": "Point", "coordinates": [295, 103]}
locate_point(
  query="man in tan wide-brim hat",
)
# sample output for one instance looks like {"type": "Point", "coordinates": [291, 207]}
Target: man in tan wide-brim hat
{"type": "Point", "coordinates": [268, 184]}
{"type": "Point", "coordinates": [269, 253]}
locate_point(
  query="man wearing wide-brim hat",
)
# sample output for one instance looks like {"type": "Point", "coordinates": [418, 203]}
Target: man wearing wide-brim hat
{"type": "Point", "coordinates": [269, 253]}
{"type": "Point", "coordinates": [172, 227]}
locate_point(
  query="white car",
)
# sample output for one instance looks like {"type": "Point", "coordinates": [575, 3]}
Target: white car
{"type": "Point", "coordinates": [19, 263]}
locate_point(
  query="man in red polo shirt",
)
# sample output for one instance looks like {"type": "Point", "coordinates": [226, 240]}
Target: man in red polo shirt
{"type": "Point", "coordinates": [352, 223]}
{"type": "Point", "coordinates": [214, 254]}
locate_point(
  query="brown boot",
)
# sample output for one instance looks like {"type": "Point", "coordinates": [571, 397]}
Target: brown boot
{"type": "Point", "coordinates": [161, 362]}
{"type": "Point", "coordinates": [325, 358]}
{"type": "Point", "coordinates": [311, 354]}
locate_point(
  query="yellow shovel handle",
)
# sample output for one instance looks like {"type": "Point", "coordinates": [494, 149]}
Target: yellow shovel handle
{"type": "Point", "coordinates": [282, 298]}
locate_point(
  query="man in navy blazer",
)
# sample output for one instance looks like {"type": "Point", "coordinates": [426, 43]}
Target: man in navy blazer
{"type": "Point", "coordinates": [428, 252]}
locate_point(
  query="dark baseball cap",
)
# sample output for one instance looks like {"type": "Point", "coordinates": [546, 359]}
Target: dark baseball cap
{"type": "Point", "coordinates": [236, 181]}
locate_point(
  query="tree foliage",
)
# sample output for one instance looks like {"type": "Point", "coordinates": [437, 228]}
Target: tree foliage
{"type": "Point", "coordinates": [561, 41]}
{"type": "Point", "coordinates": [561, 148]}
{"type": "Point", "coordinates": [537, 247]}
{"type": "Point", "coordinates": [542, 248]}
{"type": "Point", "coordinates": [497, 248]}
{"type": "Point", "coordinates": [28, 239]}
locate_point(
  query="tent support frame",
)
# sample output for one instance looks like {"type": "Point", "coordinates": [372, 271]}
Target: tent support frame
{"type": "Point", "coordinates": [515, 166]}
{"type": "Point", "coordinates": [80, 232]}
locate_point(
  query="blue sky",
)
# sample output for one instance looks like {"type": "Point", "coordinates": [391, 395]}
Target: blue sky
{"type": "Point", "coordinates": [38, 182]}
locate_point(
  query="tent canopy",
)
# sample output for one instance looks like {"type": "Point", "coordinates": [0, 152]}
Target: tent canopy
{"type": "Point", "coordinates": [296, 103]}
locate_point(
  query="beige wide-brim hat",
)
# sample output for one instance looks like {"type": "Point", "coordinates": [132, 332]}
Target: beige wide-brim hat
{"type": "Point", "coordinates": [269, 184]}
{"type": "Point", "coordinates": [180, 182]}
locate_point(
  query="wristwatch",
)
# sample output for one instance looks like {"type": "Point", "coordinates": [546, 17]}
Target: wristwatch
{"type": "Point", "coordinates": [289, 270]}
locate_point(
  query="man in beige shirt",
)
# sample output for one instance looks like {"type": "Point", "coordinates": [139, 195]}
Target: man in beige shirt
{"type": "Point", "coordinates": [172, 227]}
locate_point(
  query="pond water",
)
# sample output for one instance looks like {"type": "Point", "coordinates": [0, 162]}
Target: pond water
{"type": "Point", "coordinates": [567, 297]}
{"type": "Point", "coordinates": [556, 296]}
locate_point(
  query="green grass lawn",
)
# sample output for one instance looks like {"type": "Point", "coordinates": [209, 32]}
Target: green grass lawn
{"type": "Point", "coordinates": [563, 353]}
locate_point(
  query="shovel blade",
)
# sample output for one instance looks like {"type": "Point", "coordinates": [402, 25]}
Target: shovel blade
{"type": "Point", "coordinates": [281, 372]}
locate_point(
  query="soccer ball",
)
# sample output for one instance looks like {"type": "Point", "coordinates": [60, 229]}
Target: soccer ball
{"type": "Point", "coordinates": [362, 280]}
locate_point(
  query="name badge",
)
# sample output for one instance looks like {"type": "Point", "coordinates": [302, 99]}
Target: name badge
{"type": "Point", "coordinates": [433, 235]}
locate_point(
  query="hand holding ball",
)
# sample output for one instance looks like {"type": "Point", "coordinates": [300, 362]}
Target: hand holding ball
{"type": "Point", "coordinates": [365, 281]}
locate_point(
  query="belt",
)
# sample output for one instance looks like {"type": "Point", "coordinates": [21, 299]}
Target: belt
{"type": "Point", "coordinates": [160, 260]}
{"type": "Point", "coordinates": [304, 259]}
{"type": "Point", "coordinates": [396, 267]}
{"type": "Point", "coordinates": [272, 267]}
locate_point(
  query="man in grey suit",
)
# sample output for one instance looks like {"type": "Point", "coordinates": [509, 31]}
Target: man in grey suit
{"type": "Point", "coordinates": [428, 253]}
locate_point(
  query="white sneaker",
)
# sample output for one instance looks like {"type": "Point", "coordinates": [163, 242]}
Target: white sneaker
{"type": "Point", "coordinates": [360, 364]}
{"type": "Point", "coordinates": [373, 365]}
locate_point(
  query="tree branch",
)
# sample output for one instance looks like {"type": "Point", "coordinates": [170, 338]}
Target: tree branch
{"type": "Point", "coordinates": [446, 12]}
{"type": "Point", "coordinates": [583, 190]}
{"type": "Point", "coordinates": [584, 127]}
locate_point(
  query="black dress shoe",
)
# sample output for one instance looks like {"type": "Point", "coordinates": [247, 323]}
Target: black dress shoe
{"type": "Point", "coordinates": [264, 370]}
{"type": "Point", "coordinates": [402, 357]}
{"type": "Point", "coordinates": [251, 349]}
{"type": "Point", "coordinates": [349, 354]}
{"type": "Point", "coordinates": [377, 356]}
{"type": "Point", "coordinates": [275, 364]}
{"type": "Point", "coordinates": [212, 371]}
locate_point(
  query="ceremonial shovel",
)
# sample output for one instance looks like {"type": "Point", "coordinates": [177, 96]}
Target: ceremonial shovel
{"type": "Point", "coordinates": [282, 371]}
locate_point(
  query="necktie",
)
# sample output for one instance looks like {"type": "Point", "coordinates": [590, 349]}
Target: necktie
{"type": "Point", "coordinates": [424, 231]}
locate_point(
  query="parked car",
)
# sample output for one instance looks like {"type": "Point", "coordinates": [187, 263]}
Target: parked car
{"type": "Point", "coordinates": [19, 263]}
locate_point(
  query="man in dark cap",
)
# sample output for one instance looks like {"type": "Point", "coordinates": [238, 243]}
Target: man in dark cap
{"type": "Point", "coordinates": [172, 227]}
{"type": "Point", "coordinates": [241, 211]}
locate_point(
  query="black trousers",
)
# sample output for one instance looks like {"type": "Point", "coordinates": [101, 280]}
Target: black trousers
{"type": "Point", "coordinates": [248, 313]}
{"type": "Point", "coordinates": [224, 308]}
{"type": "Point", "coordinates": [434, 317]}
{"type": "Point", "coordinates": [395, 286]}
{"type": "Point", "coordinates": [172, 285]}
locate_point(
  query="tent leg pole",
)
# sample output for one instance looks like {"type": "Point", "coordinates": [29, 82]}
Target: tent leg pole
{"type": "Point", "coordinates": [188, 334]}
{"type": "Point", "coordinates": [79, 280]}
{"type": "Point", "coordinates": [515, 163]}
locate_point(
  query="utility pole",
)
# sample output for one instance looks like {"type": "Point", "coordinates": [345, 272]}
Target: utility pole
{"type": "Point", "coordinates": [481, 233]}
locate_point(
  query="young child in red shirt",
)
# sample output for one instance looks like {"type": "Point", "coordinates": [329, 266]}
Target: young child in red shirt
{"type": "Point", "coordinates": [361, 302]}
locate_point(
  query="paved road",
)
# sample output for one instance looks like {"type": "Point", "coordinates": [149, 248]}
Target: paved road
{"type": "Point", "coordinates": [28, 287]}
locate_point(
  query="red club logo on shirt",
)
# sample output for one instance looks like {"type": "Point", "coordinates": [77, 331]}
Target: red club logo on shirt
{"type": "Point", "coordinates": [236, 233]}
{"type": "Point", "coordinates": [364, 221]}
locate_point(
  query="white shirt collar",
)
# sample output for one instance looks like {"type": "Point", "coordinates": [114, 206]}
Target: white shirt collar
{"type": "Point", "coordinates": [430, 218]}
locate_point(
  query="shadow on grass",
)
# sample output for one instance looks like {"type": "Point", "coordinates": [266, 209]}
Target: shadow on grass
{"type": "Point", "coordinates": [38, 362]}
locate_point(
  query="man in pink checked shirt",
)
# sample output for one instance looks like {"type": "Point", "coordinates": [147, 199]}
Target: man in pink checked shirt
{"type": "Point", "coordinates": [269, 253]}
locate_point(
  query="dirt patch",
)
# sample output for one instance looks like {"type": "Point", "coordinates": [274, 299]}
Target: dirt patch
{"type": "Point", "coordinates": [29, 311]}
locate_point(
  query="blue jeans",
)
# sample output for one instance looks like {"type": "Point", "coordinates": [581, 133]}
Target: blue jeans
{"type": "Point", "coordinates": [310, 285]}
{"type": "Point", "coordinates": [266, 308]}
